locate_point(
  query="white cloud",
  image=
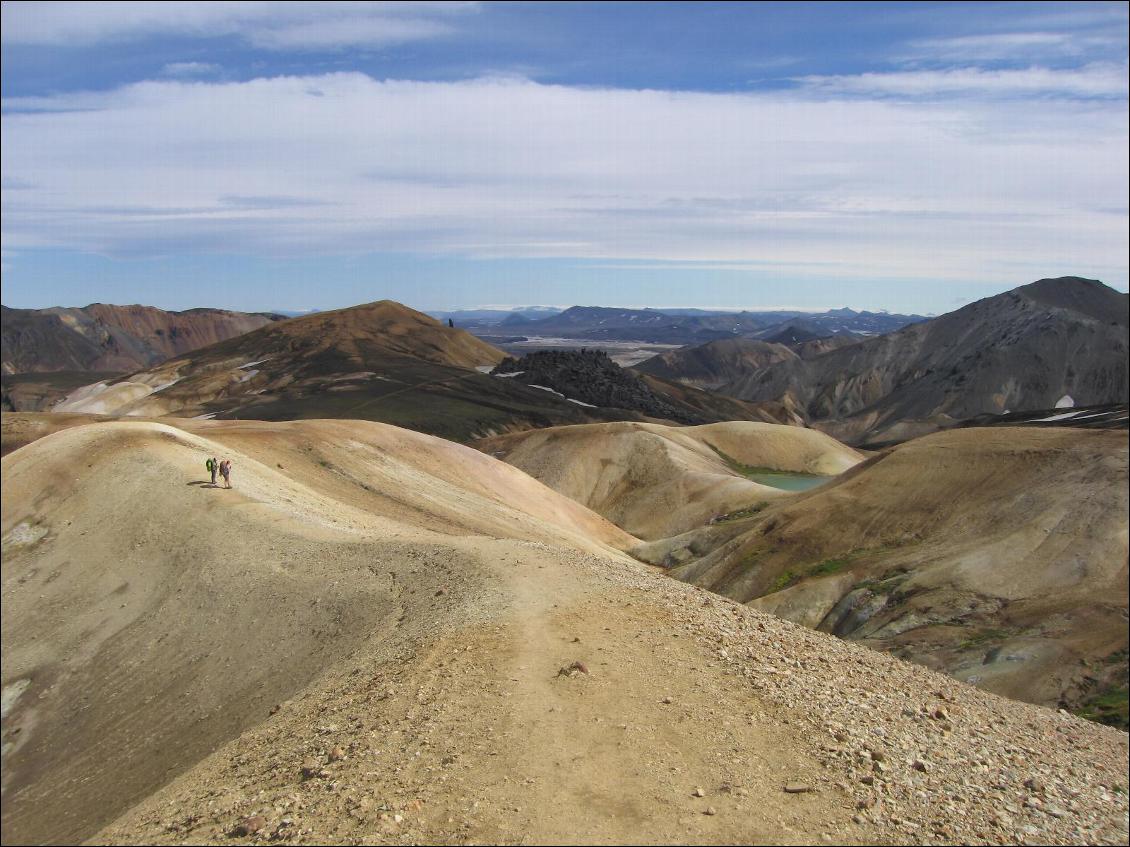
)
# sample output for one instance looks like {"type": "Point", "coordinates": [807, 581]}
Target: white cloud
{"type": "Point", "coordinates": [973, 188]}
{"type": "Point", "coordinates": [273, 25]}
{"type": "Point", "coordinates": [1037, 46]}
{"type": "Point", "coordinates": [1095, 80]}
{"type": "Point", "coordinates": [190, 69]}
{"type": "Point", "coordinates": [347, 32]}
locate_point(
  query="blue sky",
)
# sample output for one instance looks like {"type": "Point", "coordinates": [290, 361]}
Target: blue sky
{"type": "Point", "coordinates": [911, 157]}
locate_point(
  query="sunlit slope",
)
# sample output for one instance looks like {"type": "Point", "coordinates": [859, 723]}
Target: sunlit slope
{"type": "Point", "coordinates": [655, 480]}
{"type": "Point", "coordinates": [151, 617]}
{"type": "Point", "coordinates": [999, 555]}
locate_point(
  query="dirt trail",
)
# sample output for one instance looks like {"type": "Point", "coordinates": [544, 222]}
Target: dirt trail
{"type": "Point", "coordinates": [482, 738]}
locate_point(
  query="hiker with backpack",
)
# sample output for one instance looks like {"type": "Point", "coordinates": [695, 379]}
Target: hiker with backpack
{"type": "Point", "coordinates": [225, 472]}
{"type": "Point", "coordinates": [212, 467]}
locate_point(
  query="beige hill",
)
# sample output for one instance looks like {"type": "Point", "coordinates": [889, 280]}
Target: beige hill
{"type": "Point", "coordinates": [656, 481]}
{"type": "Point", "coordinates": [381, 637]}
{"type": "Point", "coordinates": [997, 555]}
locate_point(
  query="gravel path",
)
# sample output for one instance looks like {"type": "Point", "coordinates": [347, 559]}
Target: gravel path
{"type": "Point", "coordinates": [573, 698]}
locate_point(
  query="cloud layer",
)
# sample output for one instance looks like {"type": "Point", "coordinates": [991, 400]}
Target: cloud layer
{"type": "Point", "coordinates": [269, 25]}
{"type": "Point", "coordinates": [862, 177]}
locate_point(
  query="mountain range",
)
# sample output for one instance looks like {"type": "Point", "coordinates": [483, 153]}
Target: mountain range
{"type": "Point", "coordinates": [687, 326]}
{"type": "Point", "coordinates": [379, 361]}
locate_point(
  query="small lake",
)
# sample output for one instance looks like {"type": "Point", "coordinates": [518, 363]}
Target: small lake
{"type": "Point", "coordinates": [787, 481]}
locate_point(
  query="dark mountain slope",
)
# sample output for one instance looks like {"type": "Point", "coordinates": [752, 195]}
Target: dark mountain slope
{"type": "Point", "coordinates": [1024, 349]}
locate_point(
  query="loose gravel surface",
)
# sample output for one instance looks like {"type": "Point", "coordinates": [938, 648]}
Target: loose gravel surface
{"type": "Point", "coordinates": [579, 699]}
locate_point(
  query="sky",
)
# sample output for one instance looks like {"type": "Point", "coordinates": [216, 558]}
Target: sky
{"type": "Point", "coordinates": [258, 155]}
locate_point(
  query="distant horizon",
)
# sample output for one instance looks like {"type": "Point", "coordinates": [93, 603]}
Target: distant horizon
{"type": "Point", "coordinates": [297, 311]}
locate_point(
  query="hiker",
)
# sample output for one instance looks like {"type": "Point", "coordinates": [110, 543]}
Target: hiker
{"type": "Point", "coordinates": [212, 465]}
{"type": "Point", "coordinates": [225, 472]}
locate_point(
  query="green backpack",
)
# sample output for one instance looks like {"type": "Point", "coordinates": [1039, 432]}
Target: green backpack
{"type": "Point", "coordinates": [208, 465]}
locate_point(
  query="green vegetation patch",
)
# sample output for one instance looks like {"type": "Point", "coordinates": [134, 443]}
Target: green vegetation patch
{"type": "Point", "coordinates": [984, 637]}
{"type": "Point", "coordinates": [1110, 707]}
{"type": "Point", "coordinates": [747, 512]}
{"type": "Point", "coordinates": [754, 471]}
{"type": "Point", "coordinates": [830, 566]}
{"type": "Point", "coordinates": [785, 580]}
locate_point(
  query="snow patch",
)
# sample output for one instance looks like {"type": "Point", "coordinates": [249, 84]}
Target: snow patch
{"type": "Point", "coordinates": [251, 364]}
{"type": "Point", "coordinates": [1055, 417]}
{"type": "Point", "coordinates": [546, 388]}
{"type": "Point", "coordinates": [509, 375]}
{"type": "Point", "coordinates": [580, 403]}
{"type": "Point", "coordinates": [165, 385]}
{"type": "Point", "coordinates": [11, 694]}
{"type": "Point", "coordinates": [1065, 402]}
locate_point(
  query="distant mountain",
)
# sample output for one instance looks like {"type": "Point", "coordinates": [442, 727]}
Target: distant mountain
{"type": "Point", "coordinates": [102, 337]}
{"type": "Point", "coordinates": [380, 361]}
{"type": "Point", "coordinates": [600, 323]}
{"type": "Point", "coordinates": [1024, 349]}
{"type": "Point", "coordinates": [839, 322]}
{"type": "Point", "coordinates": [792, 335]}
{"type": "Point", "coordinates": [480, 318]}
{"type": "Point", "coordinates": [698, 326]}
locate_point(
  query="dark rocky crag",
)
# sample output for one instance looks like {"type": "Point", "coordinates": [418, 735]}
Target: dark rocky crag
{"type": "Point", "coordinates": [590, 376]}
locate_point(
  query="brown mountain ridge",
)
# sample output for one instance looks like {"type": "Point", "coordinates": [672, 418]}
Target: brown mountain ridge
{"type": "Point", "coordinates": [378, 361]}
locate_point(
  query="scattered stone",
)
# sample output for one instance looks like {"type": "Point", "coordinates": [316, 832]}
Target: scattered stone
{"type": "Point", "coordinates": [336, 754]}
{"type": "Point", "coordinates": [797, 788]}
{"type": "Point", "coordinates": [249, 826]}
{"type": "Point", "coordinates": [698, 792]}
{"type": "Point", "coordinates": [666, 701]}
{"type": "Point", "coordinates": [573, 669]}
{"type": "Point", "coordinates": [710, 810]}
{"type": "Point", "coordinates": [312, 769]}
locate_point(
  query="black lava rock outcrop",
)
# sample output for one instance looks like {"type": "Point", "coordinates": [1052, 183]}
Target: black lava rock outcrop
{"type": "Point", "coordinates": [590, 376]}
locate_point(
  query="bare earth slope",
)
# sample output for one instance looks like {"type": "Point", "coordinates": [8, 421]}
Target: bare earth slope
{"type": "Point", "coordinates": [154, 613]}
{"type": "Point", "coordinates": [656, 481]}
{"type": "Point", "coordinates": [415, 610]}
{"type": "Point", "coordinates": [998, 555]}
{"type": "Point", "coordinates": [103, 337]}
{"type": "Point", "coordinates": [714, 364]}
